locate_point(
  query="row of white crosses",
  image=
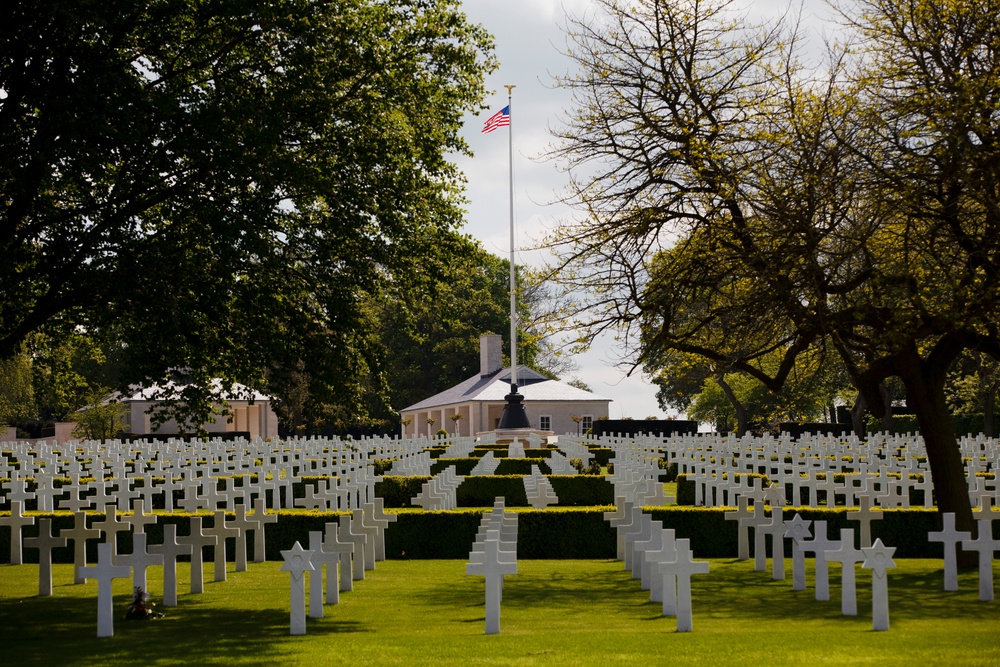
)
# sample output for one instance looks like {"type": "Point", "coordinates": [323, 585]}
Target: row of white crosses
{"type": "Point", "coordinates": [515, 450]}
{"type": "Point", "coordinates": [876, 557]}
{"type": "Point", "coordinates": [559, 464]}
{"type": "Point", "coordinates": [356, 544]}
{"type": "Point", "coordinates": [636, 476]}
{"type": "Point", "coordinates": [882, 466]}
{"type": "Point", "coordinates": [538, 489]}
{"type": "Point", "coordinates": [110, 525]}
{"type": "Point", "coordinates": [985, 544]}
{"type": "Point", "coordinates": [141, 471]}
{"type": "Point", "coordinates": [486, 465]}
{"type": "Point", "coordinates": [570, 446]}
{"type": "Point", "coordinates": [352, 547]}
{"type": "Point", "coordinates": [439, 492]}
{"type": "Point", "coordinates": [494, 555]}
{"type": "Point", "coordinates": [112, 566]}
{"type": "Point", "coordinates": [663, 564]}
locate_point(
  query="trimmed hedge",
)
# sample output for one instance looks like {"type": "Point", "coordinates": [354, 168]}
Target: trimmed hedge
{"type": "Point", "coordinates": [552, 533]}
{"type": "Point", "coordinates": [482, 490]}
{"type": "Point", "coordinates": [601, 454]}
{"type": "Point", "coordinates": [686, 491]}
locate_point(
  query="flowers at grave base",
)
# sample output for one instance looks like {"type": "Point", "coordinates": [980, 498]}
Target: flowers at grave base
{"type": "Point", "coordinates": [141, 608]}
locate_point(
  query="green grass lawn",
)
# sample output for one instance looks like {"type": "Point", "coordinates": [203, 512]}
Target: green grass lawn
{"type": "Point", "coordinates": [554, 613]}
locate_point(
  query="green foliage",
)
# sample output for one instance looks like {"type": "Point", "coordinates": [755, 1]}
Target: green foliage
{"type": "Point", "coordinates": [868, 234]}
{"type": "Point", "coordinates": [409, 613]}
{"type": "Point", "coordinates": [482, 490]}
{"type": "Point", "coordinates": [560, 533]}
{"type": "Point", "coordinates": [601, 454]}
{"type": "Point", "coordinates": [235, 187]}
{"type": "Point", "coordinates": [552, 533]}
{"type": "Point", "coordinates": [964, 424]}
{"type": "Point", "coordinates": [431, 336]}
{"type": "Point", "coordinates": [17, 396]}
{"type": "Point", "coordinates": [100, 420]}
{"type": "Point", "coordinates": [522, 466]}
{"type": "Point", "coordinates": [381, 466]}
{"type": "Point", "coordinates": [397, 491]}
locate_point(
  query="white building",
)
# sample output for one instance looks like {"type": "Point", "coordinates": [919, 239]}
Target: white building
{"type": "Point", "coordinates": [550, 405]}
{"type": "Point", "coordinates": [248, 411]}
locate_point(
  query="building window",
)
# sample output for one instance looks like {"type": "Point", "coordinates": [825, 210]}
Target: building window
{"type": "Point", "coordinates": [587, 424]}
{"type": "Point", "coordinates": [545, 422]}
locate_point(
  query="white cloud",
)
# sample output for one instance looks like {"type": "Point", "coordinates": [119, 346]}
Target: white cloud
{"type": "Point", "coordinates": [530, 39]}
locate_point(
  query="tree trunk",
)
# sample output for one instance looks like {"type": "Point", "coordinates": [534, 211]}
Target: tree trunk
{"type": "Point", "coordinates": [738, 407]}
{"type": "Point", "coordinates": [989, 411]}
{"type": "Point", "coordinates": [925, 394]}
{"type": "Point", "coordinates": [888, 423]}
{"type": "Point", "coordinates": [858, 417]}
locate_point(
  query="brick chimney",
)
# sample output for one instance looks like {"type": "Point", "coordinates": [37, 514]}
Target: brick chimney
{"type": "Point", "coordinates": [490, 354]}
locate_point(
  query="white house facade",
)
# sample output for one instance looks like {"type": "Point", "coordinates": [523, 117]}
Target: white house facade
{"type": "Point", "coordinates": [475, 405]}
{"type": "Point", "coordinates": [248, 411]}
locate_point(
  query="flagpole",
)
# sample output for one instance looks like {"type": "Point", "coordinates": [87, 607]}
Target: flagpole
{"type": "Point", "coordinates": [513, 285]}
{"type": "Point", "coordinates": [514, 419]}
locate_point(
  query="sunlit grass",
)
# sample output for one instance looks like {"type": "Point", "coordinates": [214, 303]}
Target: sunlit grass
{"type": "Point", "coordinates": [553, 613]}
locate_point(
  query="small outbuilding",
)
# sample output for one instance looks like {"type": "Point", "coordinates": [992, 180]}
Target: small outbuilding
{"type": "Point", "coordinates": [475, 405]}
{"type": "Point", "coordinates": [247, 411]}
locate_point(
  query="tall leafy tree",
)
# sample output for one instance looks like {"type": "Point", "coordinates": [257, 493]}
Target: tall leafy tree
{"type": "Point", "coordinates": [853, 209]}
{"type": "Point", "coordinates": [431, 337]}
{"type": "Point", "coordinates": [17, 395]}
{"type": "Point", "coordinates": [224, 184]}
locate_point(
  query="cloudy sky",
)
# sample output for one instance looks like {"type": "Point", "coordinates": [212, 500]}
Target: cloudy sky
{"type": "Point", "coordinates": [530, 41]}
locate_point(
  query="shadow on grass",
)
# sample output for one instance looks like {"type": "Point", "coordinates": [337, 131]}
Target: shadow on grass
{"type": "Point", "coordinates": [63, 631]}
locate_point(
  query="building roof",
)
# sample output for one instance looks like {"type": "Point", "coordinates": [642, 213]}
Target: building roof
{"type": "Point", "coordinates": [173, 391]}
{"type": "Point", "coordinates": [531, 384]}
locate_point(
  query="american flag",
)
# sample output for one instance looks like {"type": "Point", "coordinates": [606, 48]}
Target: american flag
{"type": "Point", "coordinates": [499, 119]}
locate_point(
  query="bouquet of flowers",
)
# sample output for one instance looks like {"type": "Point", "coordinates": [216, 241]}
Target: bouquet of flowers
{"type": "Point", "coordinates": [141, 608]}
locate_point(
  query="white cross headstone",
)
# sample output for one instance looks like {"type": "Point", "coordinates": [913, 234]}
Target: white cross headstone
{"type": "Point", "coordinates": [263, 518]}
{"type": "Point", "coordinates": [878, 559]}
{"type": "Point", "coordinates": [865, 515]}
{"type": "Point", "coordinates": [376, 518]}
{"type": "Point", "coordinates": [345, 550]}
{"type": "Point", "coordinates": [371, 532]}
{"type": "Point", "coordinates": [759, 520]}
{"type": "Point", "coordinates": [138, 520]}
{"type": "Point", "coordinates": [139, 560]}
{"type": "Point", "coordinates": [494, 567]}
{"type": "Point", "coordinates": [105, 572]}
{"type": "Point", "coordinates": [663, 586]}
{"type": "Point", "coordinates": [111, 526]}
{"type": "Point", "coordinates": [848, 556]}
{"type": "Point", "coordinates": [79, 533]}
{"type": "Point", "coordinates": [45, 543]}
{"type": "Point", "coordinates": [986, 545]}
{"type": "Point", "coordinates": [198, 540]}
{"type": "Point", "coordinates": [245, 524]}
{"type": "Point", "coordinates": [776, 529]}
{"type": "Point", "coordinates": [170, 550]}
{"type": "Point", "coordinates": [321, 557]}
{"type": "Point", "coordinates": [221, 531]}
{"type": "Point", "coordinates": [950, 538]}
{"type": "Point", "coordinates": [347, 533]}
{"type": "Point", "coordinates": [742, 516]}
{"type": "Point", "coordinates": [819, 545]}
{"type": "Point", "coordinates": [297, 562]}
{"type": "Point", "coordinates": [16, 520]}
{"type": "Point", "coordinates": [682, 567]}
